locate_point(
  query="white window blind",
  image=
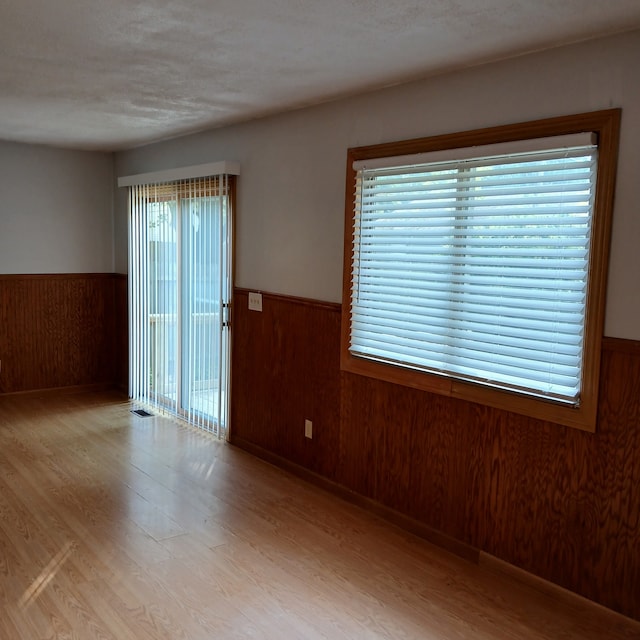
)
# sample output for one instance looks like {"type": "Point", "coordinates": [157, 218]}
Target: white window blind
{"type": "Point", "coordinates": [476, 268]}
{"type": "Point", "coordinates": [179, 295]}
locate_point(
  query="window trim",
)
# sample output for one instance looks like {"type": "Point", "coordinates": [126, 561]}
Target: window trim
{"type": "Point", "coordinates": [606, 125]}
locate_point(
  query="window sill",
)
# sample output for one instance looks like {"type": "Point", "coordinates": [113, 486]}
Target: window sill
{"type": "Point", "coordinates": [582, 417]}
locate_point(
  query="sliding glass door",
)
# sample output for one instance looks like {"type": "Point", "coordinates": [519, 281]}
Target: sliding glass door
{"type": "Point", "coordinates": [180, 287]}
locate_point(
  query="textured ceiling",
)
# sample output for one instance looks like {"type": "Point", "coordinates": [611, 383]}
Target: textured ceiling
{"type": "Point", "coordinates": [112, 74]}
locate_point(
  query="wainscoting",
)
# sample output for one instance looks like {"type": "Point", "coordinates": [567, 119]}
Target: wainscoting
{"type": "Point", "coordinates": [121, 352]}
{"type": "Point", "coordinates": [557, 502]}
{"type": "Point", "coordinates": [62, 330]}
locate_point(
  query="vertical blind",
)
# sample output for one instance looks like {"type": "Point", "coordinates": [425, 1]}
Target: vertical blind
{"type": "Point", "coordinates": [179, 294]}
{"type": "Point", "coordinates": [476, 268]}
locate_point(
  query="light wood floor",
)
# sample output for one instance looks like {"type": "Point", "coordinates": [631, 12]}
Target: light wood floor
{"type": "Point", "coordinates": [119, 527]}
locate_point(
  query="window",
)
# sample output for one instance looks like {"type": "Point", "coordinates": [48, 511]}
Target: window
{"type": "Point", "coordinates": [475, 264]}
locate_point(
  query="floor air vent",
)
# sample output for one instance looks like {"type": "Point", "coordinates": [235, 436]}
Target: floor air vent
{"type": "Point", "coordinates": [142, 413]}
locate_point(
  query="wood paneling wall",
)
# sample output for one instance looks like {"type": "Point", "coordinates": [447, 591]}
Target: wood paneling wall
{"type": "Point", "coordinates": [286, 369]}
{"type": "Point", "coordinates": [560, 503]}
{"type": "Point", "coordinates": [121, 319]}
{"type": "Point", "coordinates": [60, 330]}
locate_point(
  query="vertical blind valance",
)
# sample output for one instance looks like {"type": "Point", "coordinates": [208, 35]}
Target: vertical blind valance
{"type": "Point", "coordinates": [222, 168]}
{"type": "Point", "coordinates": [476, 268]}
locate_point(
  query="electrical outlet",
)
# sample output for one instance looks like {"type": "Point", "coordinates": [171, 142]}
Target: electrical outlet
{"type": "Point", "coordinates": [308, 429]}
{"type": "Point", "coordinates": [255, 301]}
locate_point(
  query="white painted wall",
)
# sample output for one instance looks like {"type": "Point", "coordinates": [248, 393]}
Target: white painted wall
{"type": "Point", "coordinates": [292, 188]}
{"type": "Point", "coordinates": [56, 210]}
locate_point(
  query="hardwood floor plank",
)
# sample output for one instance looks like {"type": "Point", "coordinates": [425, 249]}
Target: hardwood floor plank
{"type": "Point", "coordinates": [117, 527]}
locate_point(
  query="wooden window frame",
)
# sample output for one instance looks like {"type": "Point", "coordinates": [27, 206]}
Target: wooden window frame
{"type": "Point", "coordinates": [606, 125]}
